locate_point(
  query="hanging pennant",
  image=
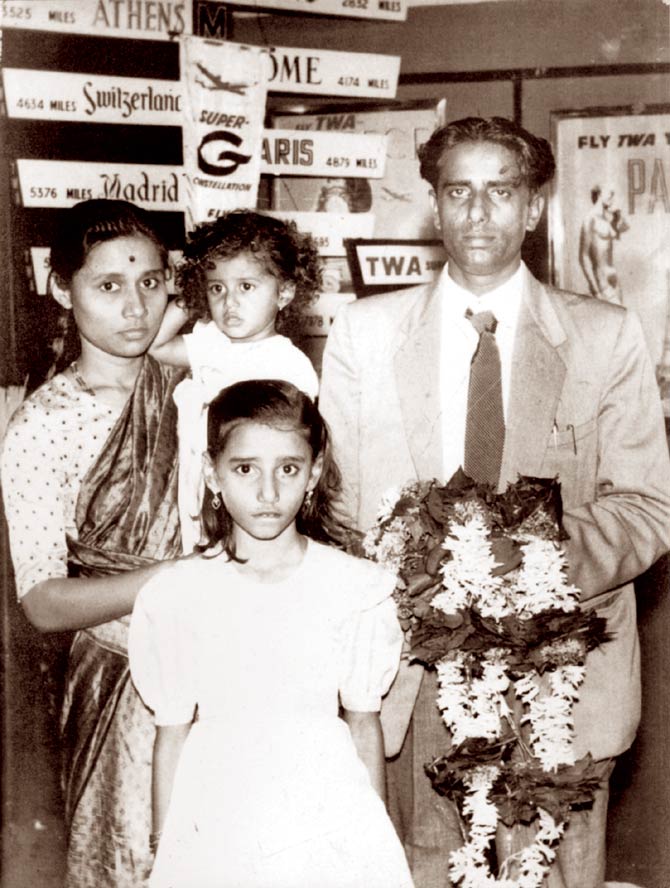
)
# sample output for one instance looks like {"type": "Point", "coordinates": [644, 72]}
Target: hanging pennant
{"type": "Point", "coordinates": [224, 95]}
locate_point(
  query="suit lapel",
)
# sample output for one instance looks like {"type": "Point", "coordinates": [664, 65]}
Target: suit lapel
{"type": "Point", "coordinates": [538, 373]}
{"type": "Point", "coordinates": [417, 373]}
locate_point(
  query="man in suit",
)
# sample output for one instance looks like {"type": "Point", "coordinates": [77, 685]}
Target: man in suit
{"type": "Point", "coordinates": [580, 401]}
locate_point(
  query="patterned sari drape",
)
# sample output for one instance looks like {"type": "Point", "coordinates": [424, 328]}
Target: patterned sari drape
{"type": "Point", "coordinates": [126, 518]}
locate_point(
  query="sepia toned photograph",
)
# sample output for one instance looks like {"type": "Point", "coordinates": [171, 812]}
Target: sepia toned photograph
{"type": "Point", "coordinates": [334, 460]}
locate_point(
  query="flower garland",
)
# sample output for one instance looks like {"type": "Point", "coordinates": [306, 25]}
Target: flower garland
{"type": "Point", "coordinates": [484, 599]}
{"type": "Point", "coordinates": [468, 865]}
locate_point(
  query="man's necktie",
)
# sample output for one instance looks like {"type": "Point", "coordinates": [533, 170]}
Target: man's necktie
{"type": "Point", "coordinates": [485, 420]}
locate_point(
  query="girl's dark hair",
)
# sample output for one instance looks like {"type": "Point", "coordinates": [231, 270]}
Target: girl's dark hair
{"type": "Point", "coordinates": [290, 255]}
{"type": "Point", "coordinates": [279, 404]}
{"type": "Point", "coordinates": [85, 225]}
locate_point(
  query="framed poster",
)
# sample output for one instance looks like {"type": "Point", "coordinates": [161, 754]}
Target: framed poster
{"type": "Point", "coordinates": [609, 215]}
{"type": "Point", "coordinates": [398, 200]}
{"type": "Point", "coordinates": [394, 209]}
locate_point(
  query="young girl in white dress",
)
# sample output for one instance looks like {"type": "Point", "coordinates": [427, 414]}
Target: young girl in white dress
{"type": "Point", "coordinates": [247, 652]}
{"type": "Point", "coordinates": [245, 280]}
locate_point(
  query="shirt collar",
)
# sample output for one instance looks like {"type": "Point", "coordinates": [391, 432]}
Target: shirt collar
{"type": "Point", "coordinates": [504, 301]}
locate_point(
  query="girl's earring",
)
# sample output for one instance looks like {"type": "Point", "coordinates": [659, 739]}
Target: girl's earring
{"type": "Point", "coordinates": [216, 502]}
{"type": "Point", "coordinates": [307, 502]}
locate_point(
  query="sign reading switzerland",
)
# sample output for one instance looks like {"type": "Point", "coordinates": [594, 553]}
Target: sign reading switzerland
{"type": "Point", "coordinates": [91, 98]}
{"type": "Point", "coordinates": [98, 98]}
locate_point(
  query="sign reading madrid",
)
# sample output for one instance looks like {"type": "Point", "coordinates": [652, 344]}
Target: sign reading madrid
{"type": "Point", "coordinates": [61, 183]}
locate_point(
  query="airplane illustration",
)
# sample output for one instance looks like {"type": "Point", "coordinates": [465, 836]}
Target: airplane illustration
{"type": "Point", "coordinates": [215, 82]}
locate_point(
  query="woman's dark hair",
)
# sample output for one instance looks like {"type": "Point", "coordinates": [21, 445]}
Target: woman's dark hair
{"type": "Point", "coordinates": [90, 223]}
{"type": "Point", "coordinates": [281, 405]}
{"type": "Point", "coordinates": [534, 154]}
{"type": "Point", "coordinates": [290, 255]}
{"type": "Point", "coordinates": [85, 225]}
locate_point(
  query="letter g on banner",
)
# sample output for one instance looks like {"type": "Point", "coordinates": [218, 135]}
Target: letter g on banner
{"type": "Point", "coordinates": [228, 161]}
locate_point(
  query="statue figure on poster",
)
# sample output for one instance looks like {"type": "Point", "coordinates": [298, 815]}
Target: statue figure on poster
{"type": "Point", "coordinates": [603, 225]}
{"type": "Point", "coordinates": [344, 196]}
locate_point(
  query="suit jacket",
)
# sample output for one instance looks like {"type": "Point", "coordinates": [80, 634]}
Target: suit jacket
{"type": "Point", "coordinates": [583, 405]}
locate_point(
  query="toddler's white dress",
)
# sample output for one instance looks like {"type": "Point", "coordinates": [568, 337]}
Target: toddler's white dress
{"type": "Point", "coordinates": [269, 790]}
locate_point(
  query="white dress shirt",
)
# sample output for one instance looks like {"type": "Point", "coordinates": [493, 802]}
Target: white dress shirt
{"type": "Point", "coordinates": [458, 343]}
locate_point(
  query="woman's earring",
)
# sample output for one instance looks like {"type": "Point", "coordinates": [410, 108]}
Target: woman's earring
{"type": "Point", "coordinates": [216, 502]}
{"type": "Point", "coordinates": [307, 502]}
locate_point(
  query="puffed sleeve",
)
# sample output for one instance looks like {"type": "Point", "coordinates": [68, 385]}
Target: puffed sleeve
{"type": "Point", "coordinates": [371, 639]}
{"type": "Point", "coordinates": [159, 649]}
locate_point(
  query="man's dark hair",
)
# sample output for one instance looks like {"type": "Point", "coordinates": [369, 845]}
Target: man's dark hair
{"type": "Point", "coordinates": [534, 154]}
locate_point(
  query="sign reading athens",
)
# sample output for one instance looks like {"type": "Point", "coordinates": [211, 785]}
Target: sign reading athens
{"type": "Point", "coordinates": [144, 19]}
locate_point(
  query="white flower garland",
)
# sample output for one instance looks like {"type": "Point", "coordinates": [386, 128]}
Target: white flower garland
{"type": "Point", "coordinates": [466, 578]}
{"type": "Point", "coordinates": [388, 550]}
{"type": "Point", "coordinates": [550, 714]}
{"type": "Point", "coordinates": [468, 865]}
{"type": "Point", "coordinates": [470, 706]}
{"type": "Point", "coordinates": [540, 583]}
{"type": "Point", "coordinates": [475, 706]}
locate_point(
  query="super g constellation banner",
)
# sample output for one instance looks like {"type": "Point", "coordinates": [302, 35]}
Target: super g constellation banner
{"type": "Point", "coordinates": [224, 94]}
{"type": "Point", "coordinates": [610, 217]}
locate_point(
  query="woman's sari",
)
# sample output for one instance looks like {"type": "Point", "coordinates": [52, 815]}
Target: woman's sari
{"type": "Point", "coordinates": [126, 517]}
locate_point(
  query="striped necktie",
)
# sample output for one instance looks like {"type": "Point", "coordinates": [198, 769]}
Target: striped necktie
{"type": "Point", "coordinates": [485, 419]}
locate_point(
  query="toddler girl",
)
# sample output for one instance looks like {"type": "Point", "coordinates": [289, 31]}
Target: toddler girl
{"type": "Point", "coordinates": [245, 654]}
{"type": "Point", "coordinates": [245, 279]}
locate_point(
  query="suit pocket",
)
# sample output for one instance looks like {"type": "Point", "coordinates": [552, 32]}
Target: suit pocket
{"type": "Point", "coordinates": [572, 455]}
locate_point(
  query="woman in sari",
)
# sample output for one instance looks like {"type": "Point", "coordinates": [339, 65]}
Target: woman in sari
{"type": "Point", "coordinates": [89, 482]}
